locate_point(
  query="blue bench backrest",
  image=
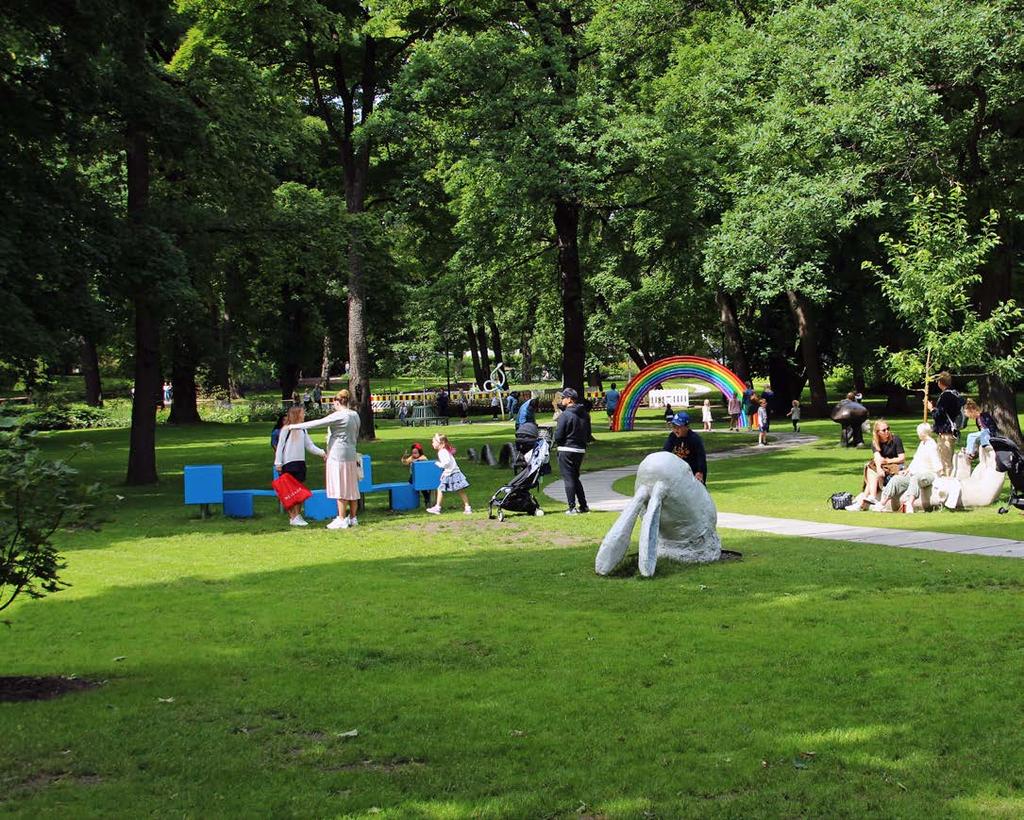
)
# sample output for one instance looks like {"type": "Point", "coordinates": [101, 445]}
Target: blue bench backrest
{"type": "Point", "coordinates": [367, 480]}
{"type": "Point", "coordinates": [204, 484]}
{"type": "Point", "coordinates": [426, 475]}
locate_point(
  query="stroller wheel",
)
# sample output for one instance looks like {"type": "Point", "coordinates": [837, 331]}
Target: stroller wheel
{"type": "Point", "coordinates": [539, 511]}
{"type": "Point", "coordinates": [501, 515]}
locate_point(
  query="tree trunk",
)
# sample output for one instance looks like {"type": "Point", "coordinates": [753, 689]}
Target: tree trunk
{"type": "Point", "coordinates": [594, 379]}
{"type": "Point", "coordinates": [358, 355]}
{"type": "Point", "coordinates": [499, 356]}
{"type": "Point", "coordinates": [567, 222]}
{"type": "Point", "coordinates": [148, 382]}
{"type": "Point", "coordinates": [485, 358]}
{"type": "Point", "coordinates": [325, 363]}
{"type": "Point", "coordinates": [736, 356]}
{"type": "Point", "coordinates": [291, 335]}
{"type": "Point", "coordinates": [896, 399]}
{"type": "Point", "coordinates": [91, 372]}
{"type": "Point", "coordinates": [859, 385]}
{"type": "Point", "coordinates": [996, 287]}
{"type": "Point", "coordinates": [637, 357]}
{"type": "Point", "coordinates": [184, 403]}
{"type": "Point", "coordinates": [474, 352]}
{"type": "Point", "coordinates": [809, 349]}
{"type": "Point", "coordinates": [526, 351]}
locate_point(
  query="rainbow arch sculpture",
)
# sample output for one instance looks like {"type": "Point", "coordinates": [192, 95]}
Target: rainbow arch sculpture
{"type": "Point", "coordinates": [675, 367]}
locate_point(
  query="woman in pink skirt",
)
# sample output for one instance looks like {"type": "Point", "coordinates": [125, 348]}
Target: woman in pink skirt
{"type": "Point", "coordinates": [342, 472]}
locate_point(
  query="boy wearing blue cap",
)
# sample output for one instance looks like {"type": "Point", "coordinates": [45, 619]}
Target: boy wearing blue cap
{"type": "Point", "coordinates": [688, 446]}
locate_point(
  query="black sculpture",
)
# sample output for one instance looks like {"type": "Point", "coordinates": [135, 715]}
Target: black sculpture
{"type": "Point", "coordinates": [851, 415]}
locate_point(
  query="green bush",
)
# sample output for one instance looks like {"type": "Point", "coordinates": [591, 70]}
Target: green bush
{"type": "Point", "coordinates": [69, 417]}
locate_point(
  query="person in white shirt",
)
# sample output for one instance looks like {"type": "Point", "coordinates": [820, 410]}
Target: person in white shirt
{"type": "Point", "coordinates": [452, 478]}
{"type": "Point", "coordinates": [922, 471]}
{"type": "Point", "coordinates": [342, 471]}
{"type": "Point", "coordinates": [290, 457]}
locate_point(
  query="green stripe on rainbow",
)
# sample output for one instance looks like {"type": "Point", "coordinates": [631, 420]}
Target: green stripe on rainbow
{"type": "Point", "coordinates": [674, 367]}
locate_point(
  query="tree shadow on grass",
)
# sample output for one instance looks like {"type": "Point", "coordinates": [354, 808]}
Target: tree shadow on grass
{"type": "Point", "coordinates": [518, 682]}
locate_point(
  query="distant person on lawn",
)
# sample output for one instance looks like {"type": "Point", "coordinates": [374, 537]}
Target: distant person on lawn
{"type": "Point", "coordinates": [611, 401]}
{"type": "Point", "coordinates": [689, 446]}
{"type": "Point", "coordinates": [411, 456]}
{"type": "Point", "coordinates": [734, 413]}
{"type": "Point", "coordinates": [887, 459]}
{"type": "Point", "coordinates": [945, 411]}
{"type": "Point", "coordinates": [290, 457]}
{"type": "Point", "coordinates": [342, 471]}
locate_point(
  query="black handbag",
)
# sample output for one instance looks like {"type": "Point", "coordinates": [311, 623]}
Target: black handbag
{"type": "Point", "coordinates": [840, 501]}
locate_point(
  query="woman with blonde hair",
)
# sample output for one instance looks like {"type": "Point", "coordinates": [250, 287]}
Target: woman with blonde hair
{"type": "Point", "coordinates": [290, 456]}
{"type": "Point", "coordinates": [887, 459]}
{"type": "Point", "coordinates": [342, 471]}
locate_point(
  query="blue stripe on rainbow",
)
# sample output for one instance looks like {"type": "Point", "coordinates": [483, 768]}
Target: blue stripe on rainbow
{"type": "Point", "coordinates": [674, 367]}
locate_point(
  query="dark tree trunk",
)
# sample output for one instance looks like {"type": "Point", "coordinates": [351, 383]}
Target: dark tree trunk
{"type": "Point", "coordinates": [526, 350]}
{"type": "Point", "coordinates": [291, 334]}
{"type": "Point", "coordinates": [221, 360]}
{"type": "Point", "coordinates": [184, 404]}
{"type": "Point", "coordinates": [995, 288]}
{"type": "Point", "coordinates": [474, 352]}
{"type": "Point", "coordinates": [481, 341]}
{"type": "Point", "coordinates": [787, 383]}
{"type": "Point", "coordinates": [736, 356]}
{"type": "Point", "coordinates": [499, 356]}
{"type": "Point", "coordinates": [859, 385]}
{"type": "Point", "coordinates": [637, 357]}
{"type": "Point", "coordinates": [325, 363]}
{"type": "Point", "coordinates": [567, 223]}
{"type": "Point", "coordinates": [91, 372]}
{"type": "Point", "coordinates": [594, 379]}
{"type": "Point", "coordinates": [148, 382]}
{"type": "Point", "coordinates": [896, 402]}
{"type": "Point", "coordinates": [809, 348]}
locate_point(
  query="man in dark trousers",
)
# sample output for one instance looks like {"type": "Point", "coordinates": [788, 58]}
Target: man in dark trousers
{"type": "Point", "coordinates": [571, 436]}
{"type": "Point", "coordinates": [688, 446]}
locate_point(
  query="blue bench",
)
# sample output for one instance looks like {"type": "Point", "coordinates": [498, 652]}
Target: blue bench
{"type": "Point", "coordinates": [204, 485]}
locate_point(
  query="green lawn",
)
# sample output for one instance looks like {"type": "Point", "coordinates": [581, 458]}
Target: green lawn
{"type": "Point", "coordinates": [490, 673]}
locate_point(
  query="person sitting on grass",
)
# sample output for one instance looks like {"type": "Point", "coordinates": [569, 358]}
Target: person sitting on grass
{"type": "Point", "coordinates": [452, 478]}
{"type": "Point", "coordinates": [906, 485]}
{"type": "Point", "coordinates": [290, 457]}
{"type": "Point", "coordinates": [986, 428]}
{"type": "Point", "coordinates": [416, 454]}
{"type": "Point", "coordinates": [688, 446]}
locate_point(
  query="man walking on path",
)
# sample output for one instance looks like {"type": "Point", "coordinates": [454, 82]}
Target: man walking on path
{"type": "Point", "coordinates": [688, 446]}
{"type": "Point", "coordinates": [945, 411]}
{"type": "Point", "coordinates": [571, 437]}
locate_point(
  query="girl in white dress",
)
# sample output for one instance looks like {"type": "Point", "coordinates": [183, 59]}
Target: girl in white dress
{"type": "Point", "coordinates": [705, 415]}
{"type": "Point", "coordinates": [290, 457]}
{"type": "Point", "coordinates": [342, 472]}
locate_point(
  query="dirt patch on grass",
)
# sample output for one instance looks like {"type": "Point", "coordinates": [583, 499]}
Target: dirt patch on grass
{"type": "Point", "coordinates": [25, 687]}
{"type": "Point", "coordinates": [42, 780]}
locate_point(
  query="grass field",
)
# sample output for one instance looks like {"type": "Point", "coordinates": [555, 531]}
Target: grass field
{"type": "Point", "coordinates": [489, 673]}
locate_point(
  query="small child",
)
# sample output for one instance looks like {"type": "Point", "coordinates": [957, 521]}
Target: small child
{"type": "Point", "coordinates": [794, 415]}
{"type": "Point", "coordinates": [762, 422]}
{"type": "Point", "coordinates": [705, 415]}
{"type": "Point", "coordinates": [669, 413]}
{"type": "Point", "coordinates": [452, 478]}
{"type": "Point", "coordinates": [986, 428]}
{"type": "Point", "coordinates": [416, 454]}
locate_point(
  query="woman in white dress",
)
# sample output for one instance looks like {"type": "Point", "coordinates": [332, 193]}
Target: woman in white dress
{"type": "Point", "coordinates": [342, 472]}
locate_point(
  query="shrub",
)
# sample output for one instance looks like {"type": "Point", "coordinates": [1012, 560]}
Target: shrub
{"type": "Point", "coordinates": [69, 417]}
{"type": "Point", "coordinates": [38, 497]}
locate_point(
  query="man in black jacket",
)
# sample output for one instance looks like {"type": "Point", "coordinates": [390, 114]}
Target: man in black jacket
{"type": "Point", "coordinates": [945, 413]}
{"type": "Point", "coordinates": [571, 436]}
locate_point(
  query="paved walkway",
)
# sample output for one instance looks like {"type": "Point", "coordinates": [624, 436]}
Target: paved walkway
{"type": "Point", "coordinates": [601, 496]}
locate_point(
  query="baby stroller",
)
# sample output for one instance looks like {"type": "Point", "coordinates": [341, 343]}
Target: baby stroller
{"type": "Point", "coordinates": [516, 496]}
{"type": "Point", "coordinates": [1010, 460]}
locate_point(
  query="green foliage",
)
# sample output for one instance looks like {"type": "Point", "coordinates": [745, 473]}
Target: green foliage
{"type": "Point", "coordinates": [933, 271]}
{"type": "Point", "coordinates": [38, 497]}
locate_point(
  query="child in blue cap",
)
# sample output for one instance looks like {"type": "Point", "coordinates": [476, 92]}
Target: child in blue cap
{"type": "Point", "coordinates": [688, 446]}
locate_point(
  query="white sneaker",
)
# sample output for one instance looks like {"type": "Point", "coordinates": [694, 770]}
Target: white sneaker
{"type": "Point", "coordinates": [338, 523]}
{"type": "Point", "coordinates": [467, 510]}
{"type": "Point", "coordinates": [299, 521]}
{"type": "Point", "coordinates": [353, 521]}
{"type": "Point", "coordinates": [435, 510]}
{"type": "Point", "coordinates": [880, 508]}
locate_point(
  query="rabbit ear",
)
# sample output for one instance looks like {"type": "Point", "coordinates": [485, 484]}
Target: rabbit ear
{"type": "Point", "coordinates": [649, 532]}
{"type": "Point", "coordinates": [616, 542]}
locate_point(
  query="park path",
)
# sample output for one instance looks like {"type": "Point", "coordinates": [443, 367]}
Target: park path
{"type": "Point", "coordinates": [602, 497]}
